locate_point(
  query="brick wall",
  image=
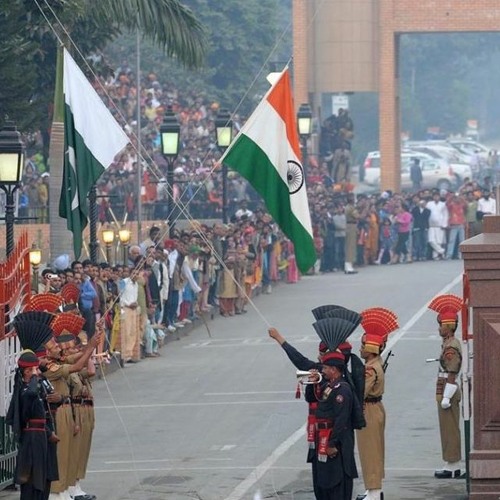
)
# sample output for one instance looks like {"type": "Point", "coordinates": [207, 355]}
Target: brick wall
{"type": "Point", "coordinates": [424, 16]}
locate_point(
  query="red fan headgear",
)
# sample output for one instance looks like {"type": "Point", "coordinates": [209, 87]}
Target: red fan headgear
{"type": "Point", "coordinates": [70, 293]}
{"type": "Point", "coordinates": [49, 302]}
{"type": "Point", "coordinates": [67, 322]}
{"type": "Point", "coordinates": [377, 323]}
{"type": "Point", "coordinates": [447, 306]}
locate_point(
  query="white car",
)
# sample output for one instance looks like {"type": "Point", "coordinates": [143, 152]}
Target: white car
{"type": "Point", "coordinates": [436, 172]}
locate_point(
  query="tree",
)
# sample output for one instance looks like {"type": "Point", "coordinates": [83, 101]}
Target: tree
{"type": "Point", "coordinates": [28, 44]}
{"type": "Point", "coordinates": [243, 36]}
{"type": "Point", "coordinates": [168, 23]}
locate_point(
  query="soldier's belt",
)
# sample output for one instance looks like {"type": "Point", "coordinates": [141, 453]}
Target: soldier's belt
{"type": "Point", "coordinates": [373, 400]}
{"type": "Point", "coordinates": [324, 425]}
{"type": "Point", "coordinates": [443, 375]}
{"type": "Point", "coordinates": [35, 424]}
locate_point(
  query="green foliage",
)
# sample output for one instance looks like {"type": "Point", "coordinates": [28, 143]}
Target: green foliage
{"type": "Point", "coordinates": [439, 86]}
{"type": "Point", "coordinates": [28, 44]}
{"type": "Point", "coordinates": [241, 41]}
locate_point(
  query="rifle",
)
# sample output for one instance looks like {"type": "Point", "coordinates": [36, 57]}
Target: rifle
{"type": "Point", "coordinates": [386, 361]}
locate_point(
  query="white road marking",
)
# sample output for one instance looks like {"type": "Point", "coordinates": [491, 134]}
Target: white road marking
{"type": "Point", "coordinates": [248, 393]}
{"type": "Point", "coordinates": [265, 466]}
{"type": "Point", "coordinates": [237, 467]}
{"type": "Point", "coordinates": [158, 460]}
{"type": "Point", "coordinates": [208, 403]}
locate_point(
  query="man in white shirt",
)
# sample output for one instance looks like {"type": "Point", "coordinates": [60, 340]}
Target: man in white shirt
{"type": "Point", "coordinates": [486, 205]}
{"type": "Point", "coordinates": [438, 221]}
{"type": "Point", "coordinates": [130, 332]}
{"type": "Point", "coordinates": [243, 210]}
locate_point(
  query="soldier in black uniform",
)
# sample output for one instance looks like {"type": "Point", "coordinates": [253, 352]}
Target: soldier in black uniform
{"type": "Point", "coordinates": [26, 415]}
{"type": "Point", "coordinates": [335, 464]}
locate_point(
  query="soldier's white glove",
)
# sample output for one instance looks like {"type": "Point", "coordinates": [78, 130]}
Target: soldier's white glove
{"type": "Point", "coordinates": [449, 391]}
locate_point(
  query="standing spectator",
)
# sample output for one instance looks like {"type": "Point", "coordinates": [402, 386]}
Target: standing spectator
{"type": "Point", "coordinates": [420, 216]}
{"type": "Point", "coordinates": [486, 205]}
{"type": "Point", "coordinates": [227, 287]}
{"type": "Point", "coordinates": [457, 208]}
{"type": "Point", "coordinates": [339, 221]}
{"type": "Point", "coordinates": [386, 242]}
{"type": "Point", "coordinates": [130, 318]}
{"type": "Point", "coordinates": [438, 221]}
{"type": "Point", "coordinates": [471, 215]}
{"type": "Point", "coordinates": [403, 221]}
{"type": "Point", "coordinates": [152, 241]}
{"type": "Point", "coordinates": [416, 174]}
{"type": "Point", "coordinates": [371, 243]}
{"type": "Point", "coordinates": [352, 217]}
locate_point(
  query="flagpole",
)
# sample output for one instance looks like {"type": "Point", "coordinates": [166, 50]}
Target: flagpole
{"type": "Point", "coordinates": [139, 157]}
{"type": "Point", "coordinates": [94, 244]}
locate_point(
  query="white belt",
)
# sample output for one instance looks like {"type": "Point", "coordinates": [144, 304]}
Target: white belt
{"type": "Point", "coordinates": [443, 375]}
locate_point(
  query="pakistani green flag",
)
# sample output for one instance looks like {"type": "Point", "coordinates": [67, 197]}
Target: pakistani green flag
{"type": "Point", "coordinates": [92, 139]}
{"type": "Point", "coordinates": [267, 153]}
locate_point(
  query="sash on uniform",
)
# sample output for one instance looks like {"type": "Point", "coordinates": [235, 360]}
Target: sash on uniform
{"type": "Point", "coordinates": [311, 425]}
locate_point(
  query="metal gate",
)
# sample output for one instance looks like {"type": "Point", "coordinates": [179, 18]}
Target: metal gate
{"type": "Point", "coordinates": [15, 291]}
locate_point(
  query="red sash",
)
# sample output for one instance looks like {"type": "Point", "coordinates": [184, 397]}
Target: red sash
{"type": "Point", "coordinates": [323, 429]}
{"type": "Point", "coordinates": [311, 425]}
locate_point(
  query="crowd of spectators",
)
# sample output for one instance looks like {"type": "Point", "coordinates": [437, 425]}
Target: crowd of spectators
{"type": "Point", "coordinates": [394, 228]}
{"type": "Point", "coordinates": [389, 227]}
{"type": "Point", "coordinates": [168, 282]}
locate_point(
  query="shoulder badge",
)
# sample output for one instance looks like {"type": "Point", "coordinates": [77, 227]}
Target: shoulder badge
{"type": "Point", "coordinates": [339, 398]}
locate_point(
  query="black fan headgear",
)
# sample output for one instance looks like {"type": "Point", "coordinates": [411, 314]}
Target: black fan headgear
{"type": "Point", "coordinates": [333, 332]}
{"type": "Point", "coordinates": [346, 314]}
{"type": "Point", "coordinates": [320, 311]}
{"type": "Point", "coordinates": [38, 316]}
{"type": "Point", "coordinates": [32, 334]}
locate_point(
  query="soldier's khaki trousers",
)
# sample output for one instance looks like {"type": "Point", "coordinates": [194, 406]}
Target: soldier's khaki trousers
{"type": "Point", "coordinates": [371, 446]}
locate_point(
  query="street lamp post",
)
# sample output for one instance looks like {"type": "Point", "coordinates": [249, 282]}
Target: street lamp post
{"type": "Point", "coordinates": [108, 236]}
{"type": "Point", "coordinates": [304, 125]}
{"type": "Point", "coordinates": [170, 132]}
{"type": "Point", "coordinates": [11, 171]}
{"type": "Point", "coordinates": [224, 137]}
{"type": "Point", "coordinates": [124, 236]}
{"type": "Point", "coordinates": [35, 259]}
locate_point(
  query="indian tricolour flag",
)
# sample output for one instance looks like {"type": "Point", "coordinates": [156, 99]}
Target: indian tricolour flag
{"type": "Point", "coordinates": [92, 138]}
{"type": "Point", "coordinates": [266, 152]}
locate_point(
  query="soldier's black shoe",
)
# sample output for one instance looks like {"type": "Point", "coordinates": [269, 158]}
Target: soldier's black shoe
{"type": "Point", "coordinates": [447, 474]}
{"type": "Point", "coordinates": [85, 497]}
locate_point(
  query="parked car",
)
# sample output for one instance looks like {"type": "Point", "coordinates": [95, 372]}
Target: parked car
{"type": "Point", "coordinates": [461, 163]}
{"type": "Point", "coordinates": [436, 172]}
{"type": "Point", "coordinates": [371, 165]}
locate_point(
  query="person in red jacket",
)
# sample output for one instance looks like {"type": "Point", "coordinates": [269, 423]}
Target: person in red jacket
{"type": "Point", "coordinates": [457, 208]}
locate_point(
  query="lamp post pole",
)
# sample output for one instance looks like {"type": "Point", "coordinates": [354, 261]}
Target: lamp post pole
{"type": "Point", "coordinates": [170, 193]}
{"type": "Point", "coordinates": [10, 207]}
{"type": "Point", "coordinates": [170, 142]}
{"type": "Point", "coordinates": [224, 136]}
{"type": "Point", "coordinates": [11, 169]}
{"type": "Point", "coordinates": [304, 125]}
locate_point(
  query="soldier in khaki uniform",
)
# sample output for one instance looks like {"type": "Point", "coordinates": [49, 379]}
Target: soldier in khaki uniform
{"type": "Point", "coordinates": [448, 393]}
{"type": "Point", "coordinates": [58, 373]}
{"type": "Point", "coordinates": [377, 323]}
